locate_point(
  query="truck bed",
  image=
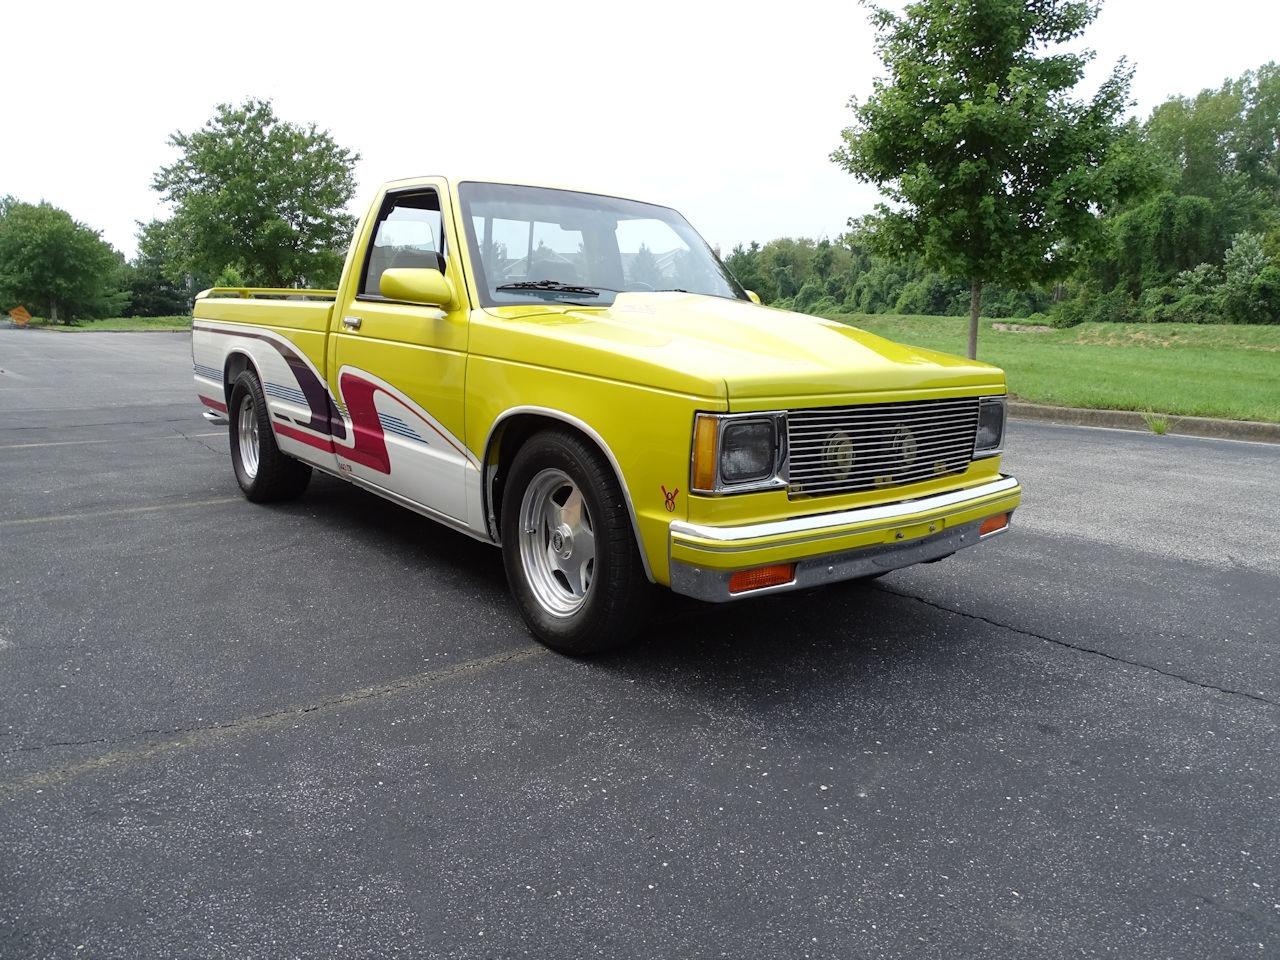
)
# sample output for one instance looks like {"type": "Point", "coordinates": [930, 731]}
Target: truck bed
{"type": "Point", "coordinates": [293, 309]}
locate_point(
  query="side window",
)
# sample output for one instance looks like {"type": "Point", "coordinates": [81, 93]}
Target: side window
{"type": "Point", "coordinates": [409, 233]}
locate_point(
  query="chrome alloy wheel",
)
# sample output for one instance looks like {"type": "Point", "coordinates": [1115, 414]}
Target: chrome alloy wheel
{"type": "Point", "coordinates": [557, 545]}
{"type": "Point", "coordinates": [247, 433]}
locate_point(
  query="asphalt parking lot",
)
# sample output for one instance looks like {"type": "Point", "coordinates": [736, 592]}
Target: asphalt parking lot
{"type": "Point", "coordinates": [320, 730]}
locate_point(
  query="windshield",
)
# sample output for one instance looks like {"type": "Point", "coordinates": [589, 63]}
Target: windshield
{"type": "Point", "coordinates": [535, 245]}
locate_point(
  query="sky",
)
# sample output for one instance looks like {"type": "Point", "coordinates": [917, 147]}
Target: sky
{"type": "Point", "coordinates": [726, 111]}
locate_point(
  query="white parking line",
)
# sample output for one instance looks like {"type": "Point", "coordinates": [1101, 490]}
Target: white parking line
{"type": "Point", "coordinates": [119, 511]}
{"type": "Point", "coordinates": [180, 739]}
{"type": "Point", "coordinates": [72, 443]}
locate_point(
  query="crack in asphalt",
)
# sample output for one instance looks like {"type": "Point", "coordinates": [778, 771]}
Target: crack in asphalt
{"type": "Point", "coordinates": [192, 735]}
{"type": "Point", "coordinates": [200, 443]}
{"type": "Point", "coordinates": [1081, 648]}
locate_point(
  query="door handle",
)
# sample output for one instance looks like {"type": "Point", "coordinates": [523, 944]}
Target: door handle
{"type": "Point", "coordinates": [351, 323]}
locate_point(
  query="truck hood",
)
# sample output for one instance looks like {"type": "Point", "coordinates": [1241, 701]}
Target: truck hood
{"type": "Point", "coordinates": [739, 350]}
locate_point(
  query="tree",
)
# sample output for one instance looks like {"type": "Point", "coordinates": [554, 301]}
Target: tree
{"type": "Point", "coordinates": [260, 195]}
{"type": "Point", "coordinates": [995, 171]}
{"type": "Point", "coordinates": [157, 284]}
{"type": "Point", "coordinates": [743, 263]}
{"type": "Point", "coordinates": [56, 265]}
{"type": "Point", "coordinates": [1224, 144]}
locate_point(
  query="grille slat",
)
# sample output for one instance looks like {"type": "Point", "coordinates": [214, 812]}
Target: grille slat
{"type": "Point", "coordinates": [844, 449]}
{"type": "Point", "coordinates": [840, 412]}
{"type": "Point", "coordinates": [898, 480]}
{"type": "Point", "coordinates": [820, 428]}
{"type": "Point", "coordinates": [873, 410]}
{"type": "Point", "coordinates": [863, 440]}
{"type": "Point", "coordinates": [932, 454]}
{"type": "Point", "coordinates": [866, 437]}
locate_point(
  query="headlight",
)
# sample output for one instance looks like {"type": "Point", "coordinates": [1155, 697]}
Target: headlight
{"type": "Point", "coordinates": [734, 453]}
{"type": "Point", "coordinates": [991, 416]}
{"type": "Point", "coordinates": [747, 449]}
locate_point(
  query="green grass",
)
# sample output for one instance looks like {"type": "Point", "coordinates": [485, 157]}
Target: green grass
{"type": "Point", "coordinates": [1210, 370]}
{"type": "Point", "coordinates": [117, 324]}
{"type": "Point", "coordinates": [1156, 424]}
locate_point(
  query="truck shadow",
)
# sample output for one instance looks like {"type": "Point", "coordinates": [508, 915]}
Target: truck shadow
{"type": "Point", "coordinates": [795, 646]}
{"type": "Point", "coordinates": [401, 532]}
{"type": "Point", "coordinates": [791, 645]}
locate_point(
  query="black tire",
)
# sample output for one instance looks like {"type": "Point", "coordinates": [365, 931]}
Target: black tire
{"type": "Point", "coordinates": [278, 476]}
{"type": "Point", "coordinates": [619, 597]}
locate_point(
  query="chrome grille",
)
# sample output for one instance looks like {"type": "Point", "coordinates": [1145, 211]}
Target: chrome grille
{"type": "Point", "coordinates": [835, 450]}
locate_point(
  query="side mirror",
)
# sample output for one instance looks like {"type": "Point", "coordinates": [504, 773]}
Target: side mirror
{"type": "Point", "coordinates": [416, 285]}
{"type": "Point", "coordinates": [753, 296]}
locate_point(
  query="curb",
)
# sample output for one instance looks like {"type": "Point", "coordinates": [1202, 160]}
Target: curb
{"type": "Point", "coordinates": [1131, 420]}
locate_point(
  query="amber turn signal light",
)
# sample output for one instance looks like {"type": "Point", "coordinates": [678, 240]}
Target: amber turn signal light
{"type": "Point", "coordinates": [771, 576]}
{"type": "Point", "coordinates": [992, 524]}
{"type": "Point", "coordinates": [704, 453]}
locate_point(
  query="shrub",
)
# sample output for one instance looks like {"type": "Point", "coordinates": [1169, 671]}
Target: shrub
{"type": "Point", "coordinates": [1266, 292]}
{"type": "Point", "coordinates": [930, 295]}
{"type": "Point", "coordinates": [1067, 313]}
{"type": "Point", "coordinates": [1189, 299]}
{"type": "Point", "coordinates": [1242, 291]}
{"type": "Point", "coordinates": [808, 295]}
{"type": "Point", "coordinates": [1115, 307]}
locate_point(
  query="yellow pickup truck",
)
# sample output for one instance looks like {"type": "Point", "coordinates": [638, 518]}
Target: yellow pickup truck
{"type": "Point", "coordinates": [579, 379]}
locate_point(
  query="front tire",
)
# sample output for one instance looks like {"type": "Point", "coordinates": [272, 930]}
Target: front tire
{"type": "Point", "coordinates": [264, 472]}
{"type": "Point", "coordinates": [569, 549]}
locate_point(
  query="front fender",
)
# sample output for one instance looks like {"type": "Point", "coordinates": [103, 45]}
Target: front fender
{"type": "Point", "coordinates": [644, 433]}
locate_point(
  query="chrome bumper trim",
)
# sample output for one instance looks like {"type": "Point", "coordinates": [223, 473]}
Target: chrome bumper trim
{"type": "Point", "coordinates": [703, 583]}
{"type": "Point", "coordinates": [823, 522]}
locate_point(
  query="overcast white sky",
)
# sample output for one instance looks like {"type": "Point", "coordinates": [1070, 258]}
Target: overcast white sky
{"type": "Point", "coordinates": [726, 111]}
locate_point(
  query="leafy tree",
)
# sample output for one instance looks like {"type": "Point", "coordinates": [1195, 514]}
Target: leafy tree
{"type": "Point", "coordinates": [260, 195]}
{"type": "Point", "coordinates": [1224, 145]}
{"type": "Point", "coordinates": [152, 294]}
{"type": "Point", "coordinates": [845, 274]}
{"type": "Point", "coordinates": [994, 170]}
{"type": "Point", "coordinates": [157, 284]}
{"type": "Point", "coordinates": [56, 265]}
{"type": "Point", "coordinates": [1150, 243]}
{"type": "Point", "coordinates": [743, 263]}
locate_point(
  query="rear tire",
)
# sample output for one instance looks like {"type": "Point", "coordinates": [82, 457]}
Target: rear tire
{"type": "Point", "coordinates": [569, 549]}
{"type": "Point", "coordinates": [264, 472]}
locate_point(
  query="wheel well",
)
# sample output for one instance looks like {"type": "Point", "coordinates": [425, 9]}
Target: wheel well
{"type": "Point", "coordinates": [237, 363]}
{"type": "Point", "coordinates": [509, 436]}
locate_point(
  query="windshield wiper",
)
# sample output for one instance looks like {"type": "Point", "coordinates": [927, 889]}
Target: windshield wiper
{"type": "Point", "coordinates": [549, 286]}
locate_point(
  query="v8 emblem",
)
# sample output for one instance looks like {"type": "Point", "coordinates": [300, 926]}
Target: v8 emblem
{"type": "Point", "coordinates": [670, 497]}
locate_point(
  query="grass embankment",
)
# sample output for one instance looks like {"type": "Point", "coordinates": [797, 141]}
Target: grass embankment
{"type": "Point", "coordinates": [1210, 370]}
{"type": "Point", "coordinates": [116, 324]}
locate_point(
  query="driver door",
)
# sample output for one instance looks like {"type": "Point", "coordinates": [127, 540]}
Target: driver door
{"type": "Point", "coordinates": [396, 368]}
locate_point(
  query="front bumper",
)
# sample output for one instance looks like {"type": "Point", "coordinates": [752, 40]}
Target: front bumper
{"type": "Point", "coordinates": [836, 546]}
